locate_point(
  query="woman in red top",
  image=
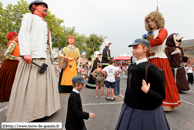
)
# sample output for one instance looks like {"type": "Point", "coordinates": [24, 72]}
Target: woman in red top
{"type": "Point", "coordinates": [9, 66]}
{"type": "Point", "coordinates": [154, 24]}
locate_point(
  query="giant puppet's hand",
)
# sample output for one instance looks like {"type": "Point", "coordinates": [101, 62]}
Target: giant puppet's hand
{"type": "Point", "coordinates": [27, 59]}
{"type": "Point", "coordinates": [177, 51]}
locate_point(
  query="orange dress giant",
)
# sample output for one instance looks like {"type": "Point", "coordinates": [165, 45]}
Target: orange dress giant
{"type": "Point", "coordinates": [159, 58]}
{"type": "Point", "coordinates": [7, 72]}
{"type": "Point", "coordinates": [65, 79]}
{"type": "Point", "coordinates": [69, 72]}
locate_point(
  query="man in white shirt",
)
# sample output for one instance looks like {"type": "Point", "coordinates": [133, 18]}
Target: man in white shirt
{"type": "Point", "coordinates": [34, 95]}
{"type": "Point", "coordinates": [110, 79]}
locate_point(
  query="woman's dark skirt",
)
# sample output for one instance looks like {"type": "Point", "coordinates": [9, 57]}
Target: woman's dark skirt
{"type": "Point", "coordinates": [136, 119]}
{"type": "Point", "coordinates": [7, 76]}
{"type": "Point", "coordinates": [64, 88]}
{"type": "Point", "coordinates": [91, 83]}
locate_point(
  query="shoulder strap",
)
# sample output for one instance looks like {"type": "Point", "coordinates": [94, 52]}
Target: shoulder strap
{"type": "Point", "coordinates": [98, 72]}
{"type": "Point", "coordinates": [146, 71]}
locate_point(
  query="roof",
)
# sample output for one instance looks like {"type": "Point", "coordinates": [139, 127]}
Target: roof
{"type": "Point", "coordinates": [187, 43]}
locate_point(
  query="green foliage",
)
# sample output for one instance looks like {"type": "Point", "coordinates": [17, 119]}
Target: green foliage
{"type": "Point", "coordinates": [11, 17]}
{"type": "Point", "coordinates": [93, 44]}
{"type": "Point", "coordinates": [56, 29]}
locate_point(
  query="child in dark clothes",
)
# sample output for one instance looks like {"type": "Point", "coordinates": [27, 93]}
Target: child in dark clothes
{"type": "Point", "coordinates": [75, 114]}
{"type": "Point", "coordinates": [142, 108]}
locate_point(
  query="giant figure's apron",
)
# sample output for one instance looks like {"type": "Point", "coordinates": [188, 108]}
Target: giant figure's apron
{"type": "Point", "coordinates": [69, 72]}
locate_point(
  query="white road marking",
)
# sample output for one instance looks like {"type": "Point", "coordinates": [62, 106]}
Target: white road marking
{"type": "Point", "coordinates": [191, 91]}
{"type": "Point", "coordinates": [90, 104]}
{"type": "Point", "coordinates": [187, 102]}
{"type": "Point", "coordinates": [2, 109]}
{"type": "Point", "coordinates": [122, 96]}
{"type": "Point", "coordinates": [64, 127]}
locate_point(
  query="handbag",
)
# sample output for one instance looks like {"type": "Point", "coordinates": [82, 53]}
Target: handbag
{"type": "Point", "coordinates": [96, 75]}
{"type": "Point", "coordinates": [162, 72]}
{"type": "Point", "coordinates": [65, 63]}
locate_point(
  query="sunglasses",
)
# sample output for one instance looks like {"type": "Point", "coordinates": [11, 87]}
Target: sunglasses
{"type": "Point", "coordinates": [179, 40]}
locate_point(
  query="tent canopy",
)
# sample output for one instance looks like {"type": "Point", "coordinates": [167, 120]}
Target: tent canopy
{"type": "Point", "coordinates": [123, 57]}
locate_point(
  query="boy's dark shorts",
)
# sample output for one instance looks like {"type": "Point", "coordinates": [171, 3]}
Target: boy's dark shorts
{"type": "Point", "coordinates": [110, 84]}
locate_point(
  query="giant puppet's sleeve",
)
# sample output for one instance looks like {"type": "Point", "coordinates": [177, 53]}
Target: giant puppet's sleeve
{"type": "Point", "coordinates": [8, 52]}
{"type": "Point", "coordinates": [24, 35]}
{"type": "Point", "coordinates": [160, 38]}
{"type": "Point", "coordinates": [168, 53]}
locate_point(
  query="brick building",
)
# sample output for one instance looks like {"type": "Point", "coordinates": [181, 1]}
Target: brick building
{"type": "Point", "coordinates": [188, 49]}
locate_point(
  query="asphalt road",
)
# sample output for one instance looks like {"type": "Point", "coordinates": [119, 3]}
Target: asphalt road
{"type": "Point", "coordinates": [182, 118]}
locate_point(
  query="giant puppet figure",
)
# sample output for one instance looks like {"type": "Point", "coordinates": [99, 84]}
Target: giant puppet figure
{"type": "Point", "coordinates": [106, 54]}
{"type": "Point", "coordinates": [9, 66]}
{"type": "Point", "coordinates": [91, 82]}
{"type": "Point", "coordinates": [154, 24]}
{"type": "Point", "coordinates": [34, 95]}
{"type": "Point", "coordinates": [71, 53]}
{"type": "Point", "coordinates": [176, 58]}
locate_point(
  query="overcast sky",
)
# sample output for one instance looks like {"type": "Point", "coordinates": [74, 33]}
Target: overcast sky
{"type": "Point", "coordinates": [122, 21]}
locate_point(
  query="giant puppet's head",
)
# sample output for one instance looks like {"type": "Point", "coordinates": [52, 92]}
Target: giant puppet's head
{"type": "Point", "coordinates": [38, 6]}
{"type": "Point", "coordinates": [174, 39]}
{"type": "Point", "coordinates": [156, 17]}
{"type": "Point", "coordinates": [71, 39]}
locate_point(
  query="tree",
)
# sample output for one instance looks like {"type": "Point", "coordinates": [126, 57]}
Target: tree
{"type": "Point", "coordinates": [56, 28]}
{"type": "Point", "coordinates": [11, 18]}
{"type": "Point", "coordinates": [93, 44]}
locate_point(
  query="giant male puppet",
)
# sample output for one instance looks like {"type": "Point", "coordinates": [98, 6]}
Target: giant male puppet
{"type": "Point", "coordinates": [34, 95]}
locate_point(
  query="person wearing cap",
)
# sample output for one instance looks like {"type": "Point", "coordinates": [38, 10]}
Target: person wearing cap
{"type": "Point", "coordinates": [91, 82]}
{"type": "Point", "coordinates": [142, 107]}
{"type": "Point", "coordinates": [34, 95]}
{"type": "Point", "coordinates": [75, 113]}
{"type": "Point", "coordinates": [157, 34]}
{"type": "Point", "coordinates": [106, 54]}
{"type": "Point", "coordinates": [176, 58]}
{"type": "Point", "coordinates": [9, 66]}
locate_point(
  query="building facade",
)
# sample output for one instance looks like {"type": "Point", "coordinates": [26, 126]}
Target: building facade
{"type": "Point", "coordinates": [188, 49]}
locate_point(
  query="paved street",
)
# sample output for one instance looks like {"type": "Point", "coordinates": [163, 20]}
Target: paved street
{"type": "Point", "coordinates": [107, 112]}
